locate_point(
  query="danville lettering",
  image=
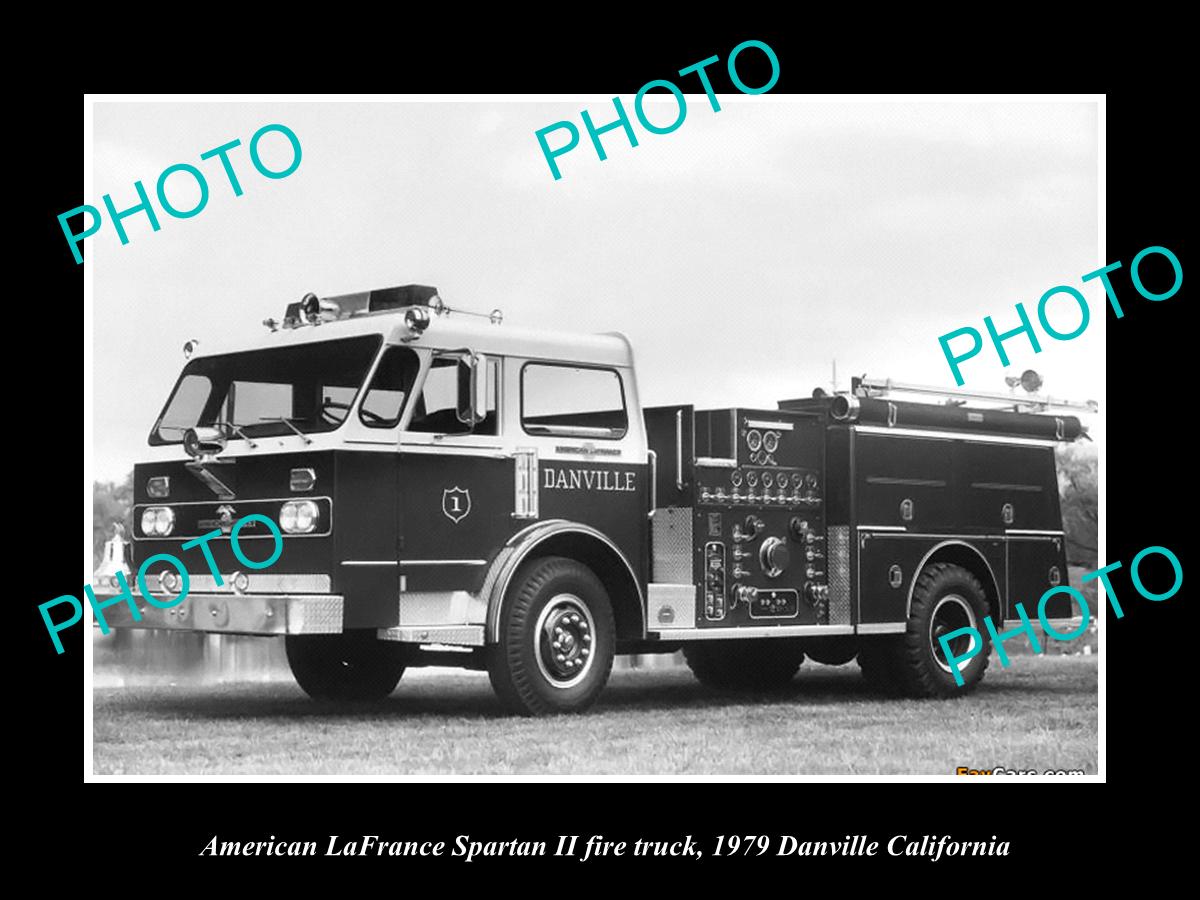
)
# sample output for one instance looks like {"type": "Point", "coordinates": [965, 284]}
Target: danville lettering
{"type": "Point", "coordinates": [588, 479]}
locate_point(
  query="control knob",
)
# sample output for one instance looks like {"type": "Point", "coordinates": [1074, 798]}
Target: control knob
{"type": "Point", "coordinates": [750, 530]}
{"type": "Point", "coordinates": [744, 593]}
{"type": "Point", "coordinates": [774, 556]}
{"type": "Point", "coordinates": [816, 593]}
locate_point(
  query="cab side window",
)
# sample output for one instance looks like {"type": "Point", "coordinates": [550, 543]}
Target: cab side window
{"type": "Point", "coordinates": [446, 391]}
{"type": "Point", "coordinates": [574, 401]}
{"type": "Point", "coordinates": [384, 401]}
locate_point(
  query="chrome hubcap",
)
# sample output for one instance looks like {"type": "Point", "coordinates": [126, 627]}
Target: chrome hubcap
{"type": "Point", "coordinates": [565, 635]}
{"type": "Point", "coordinates": [951, 613]}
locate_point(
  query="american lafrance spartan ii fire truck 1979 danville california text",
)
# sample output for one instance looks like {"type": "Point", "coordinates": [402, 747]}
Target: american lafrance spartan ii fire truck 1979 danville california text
{"type": "Point", "coordinates": [454, 491]}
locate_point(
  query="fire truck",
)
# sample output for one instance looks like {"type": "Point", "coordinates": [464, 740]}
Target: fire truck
{"type": "Point", "coordinates": [454, 491]}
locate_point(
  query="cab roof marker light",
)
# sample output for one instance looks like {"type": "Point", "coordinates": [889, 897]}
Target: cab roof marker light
{"type": "Point", "coordinates": [302, 479]}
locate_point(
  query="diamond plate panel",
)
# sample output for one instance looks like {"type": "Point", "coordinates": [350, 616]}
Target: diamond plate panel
{"type": "Point", "coordinates": [460, 635]}
{"type": "Point", "coordinates": [441, 608]}
{"type": "Point", "coordinates": [838, 541]}
{"type": "Point", "coordinates": [671, 606]}
{"type": "Point", "coordinates": [314, 615]}
{"type": "Point", "coordinates": [672, 533]}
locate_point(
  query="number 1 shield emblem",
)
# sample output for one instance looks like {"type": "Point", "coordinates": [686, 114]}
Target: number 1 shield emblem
{"type": "Point", "coordinates": [456, 503]}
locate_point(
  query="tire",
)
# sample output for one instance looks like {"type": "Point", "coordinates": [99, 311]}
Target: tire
{"type": "Point", "coordinates": [946, 597]}
{"type": "Point", "coordinates": [353, 666]}
{"type": "Point", "coordinates": [553, 601]}
{"type": "Point", "coordinates": [744, 665]}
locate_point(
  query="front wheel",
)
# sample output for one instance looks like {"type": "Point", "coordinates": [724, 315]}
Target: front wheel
{"type": "Point", "coordinates": [350, 666]}
{"type": "Point", "coordinates": [557, 639]}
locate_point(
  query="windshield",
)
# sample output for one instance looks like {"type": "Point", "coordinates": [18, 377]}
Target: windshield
{"type": "Point", "coordinates": [309, 387]}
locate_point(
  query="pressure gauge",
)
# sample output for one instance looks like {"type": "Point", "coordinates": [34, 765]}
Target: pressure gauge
{"type": "Point", "coordinates": [754, 439]}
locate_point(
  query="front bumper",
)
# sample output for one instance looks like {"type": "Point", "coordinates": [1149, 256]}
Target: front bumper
{"type": "Point", "coordinates": [228, 613]}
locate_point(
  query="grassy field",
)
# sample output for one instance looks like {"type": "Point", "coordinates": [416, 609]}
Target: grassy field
{"type": "Point", "coordinates": [1039, 713]}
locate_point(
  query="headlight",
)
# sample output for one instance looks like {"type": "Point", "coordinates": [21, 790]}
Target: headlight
{"type": "Point", "coordinates": [298, 516]}
{"type": "Point", "coordinates": [158, 520]}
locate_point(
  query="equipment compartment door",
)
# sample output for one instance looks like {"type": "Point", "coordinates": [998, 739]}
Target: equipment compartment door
{"type": "Point", "coordinates": [1036, 564]}
{"type": "Point", "coordinates": [887, 565]}
{"type": "Point", "coordinates": [455, 514]}
{"type": "Point", "coordinates": [365, 537]}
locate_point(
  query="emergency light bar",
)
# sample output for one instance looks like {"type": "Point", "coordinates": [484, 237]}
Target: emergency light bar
{"type": "Point", "coordinates": [313, 310]}
{"type": "Point", "coordinates": [405, 295]}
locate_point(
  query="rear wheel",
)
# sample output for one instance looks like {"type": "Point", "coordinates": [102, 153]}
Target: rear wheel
{"type": "Point", "coordinates": [350, 666]}
{"type": "Point", "coordinates": [744, 665]}
{"type": "Point", "coordinates": [557, 639]}
{"type": "Point", "coordinates": [946, 598]}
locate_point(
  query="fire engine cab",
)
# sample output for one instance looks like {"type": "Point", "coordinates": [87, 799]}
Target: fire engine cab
{"type": "Point", "coordinates": [454, 491]}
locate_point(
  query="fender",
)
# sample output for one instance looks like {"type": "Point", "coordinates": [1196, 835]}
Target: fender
{"type": "Point", "coordinates": [519, 548]}
{"type": "Point", "coordinates": [912, 586]}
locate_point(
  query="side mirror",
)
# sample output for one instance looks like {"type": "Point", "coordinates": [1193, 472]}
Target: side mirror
{"type": "Point", "coordinates": [472, 389]}
{"type": "Point", "coordinates": [204, 440]}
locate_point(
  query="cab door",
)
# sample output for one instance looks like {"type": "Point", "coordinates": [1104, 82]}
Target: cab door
{"type": "Point", "coordinates": [457, 483]}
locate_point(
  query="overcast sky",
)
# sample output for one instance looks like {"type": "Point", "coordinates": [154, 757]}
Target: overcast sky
{"type": "Point", "coordinates": [741, 253]}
